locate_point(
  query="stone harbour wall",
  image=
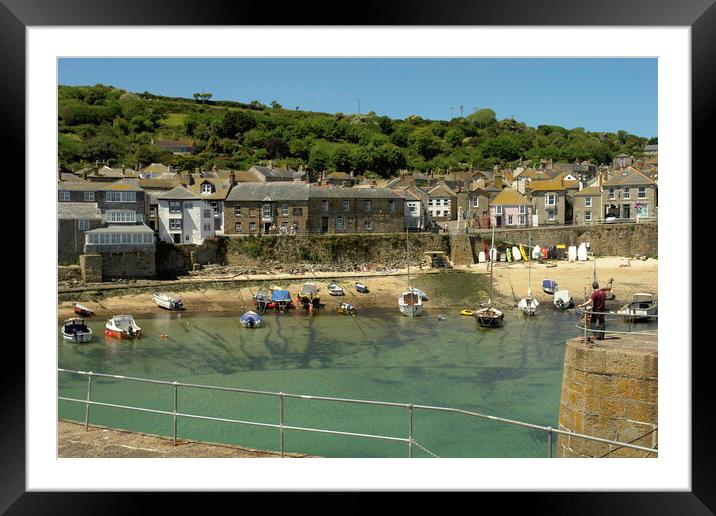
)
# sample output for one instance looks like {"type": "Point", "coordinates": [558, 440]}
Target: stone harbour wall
{"type": "Point", "coordinates": [609, 390]}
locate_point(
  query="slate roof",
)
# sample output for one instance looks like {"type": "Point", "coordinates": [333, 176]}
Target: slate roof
{"type": "Point", "coordinates": [124, 185]}
{"type": "Point", "coordinates": [78, 210]}
{"type": "Point", "coordinates": [83, 186]}
{"type": "Point", "coordinates": [178, 193]}
{"type": "Point", "coordinates": [441, 190]}
{"type": "Point", "coordinates": [221, 189]}
{"type": "Point", "coordinates": [352, 193]}
{"type": "Point", "coordinates": [278, 191]}
{"type": "Point", "coordinates": [547, 185]}
{"type": "Point", "coordinates": [277, 172]}
{"type": "Point", "coordinates": [635, 177]}
{"type": "Point", "coordinates": [590, 191]}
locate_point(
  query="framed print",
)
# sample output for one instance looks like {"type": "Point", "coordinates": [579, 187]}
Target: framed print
{"type": "Point", "coordinates": [284, 180]}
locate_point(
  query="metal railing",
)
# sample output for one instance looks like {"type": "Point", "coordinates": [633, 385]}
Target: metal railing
{"type": "Point", "coordinates": [282, 427]}
{"type": "Point", "coordinates": [584, 323]}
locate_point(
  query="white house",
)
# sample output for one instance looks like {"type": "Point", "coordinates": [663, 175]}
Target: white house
{"type": "Point", "coordinates": [184, 217]}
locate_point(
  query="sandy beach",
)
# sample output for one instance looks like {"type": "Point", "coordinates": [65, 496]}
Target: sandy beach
{"type": "Point", "coordinates": [510, 283]}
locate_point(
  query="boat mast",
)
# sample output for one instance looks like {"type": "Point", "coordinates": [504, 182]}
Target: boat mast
{"type": "Point", "coordinates": [492, 265]}
{"type": "Point", "coordinates": [529, 266]}
{"type": "Point", "coordinates": [407, 256]}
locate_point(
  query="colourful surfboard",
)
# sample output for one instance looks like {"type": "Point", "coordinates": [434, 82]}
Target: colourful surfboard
{"type": "Point", "coordinates": [523, 253]}
{"type": "Point", "coordinates": [508, 253]}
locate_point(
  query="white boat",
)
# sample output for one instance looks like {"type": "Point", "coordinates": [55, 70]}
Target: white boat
{"type": "Point", "coordinates": [75, 330]}
{"type": "Point", "coordinates": [563, 300]}
{"type": "Point", "coordinates": [168, 301]}
{"type": "Point", "coordinates": [122, 326]}
{"type": "Point", "coordinates": [641, 308]}
{"type": "Point", "coordinates": [528, 304]}
{"type": "Point", "coordinates": [250, 319]}
{"type": "Point", "coordinates": [335, 289]}
{"type": "Point", "coordinates": [572, 253]}
{"type": "Point", "coordinates": [410, 303]}
{"type": "Point", "coordinates": [489, 316]}
{"type": "Point", "coordinates": [481, 257]}
{"type": "Point", "coordinates": [582, 252]}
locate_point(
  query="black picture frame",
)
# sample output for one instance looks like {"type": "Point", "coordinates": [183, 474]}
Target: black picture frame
{"type": "Point", "coordinates": [700, 15]}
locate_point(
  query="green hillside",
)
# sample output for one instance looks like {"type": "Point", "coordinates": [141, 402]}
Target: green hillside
{"type": "Point", "coordinates": [105, 123]}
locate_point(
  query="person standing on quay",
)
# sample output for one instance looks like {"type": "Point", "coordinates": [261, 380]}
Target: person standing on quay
{"type": "Point", "coordinates": [597, 301]}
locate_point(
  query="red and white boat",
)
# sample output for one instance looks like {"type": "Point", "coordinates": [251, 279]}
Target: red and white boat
{"type": "Point", "coordinates": [122, 326]}
{"type": "Point", "coordinates": [82, 310]}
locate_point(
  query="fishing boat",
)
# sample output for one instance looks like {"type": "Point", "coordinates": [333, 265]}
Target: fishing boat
{"type": "Point", "coordinates": [281, 299]}
{"type": "Point", "coordinates": [250, 319]}
{"type": "Point", "coordinates": [362, 288]}
{"type": "Point", "coordinates": [549, 286]}
{"type": "Point", "coordinates": [75, 330]}
{"type": "Point", "coordinates": [335, 290]}
{"type": "Point", "coordinates": [641, 308]}
{"type": "Point", "coordinates": [309, 296]}
{"type": "Point", "coordinates": [82, 310]}
{"type": "Point", "coordinates": [346, 309]}
{"type": "Point", "coordinates": [409, 302]}
{"type": "Point", "coordinates": [262, 300]}
{"type": "Point", "coordinates": [168, 301]}
{"type": "Point", "coordinates": [563, 300]}
{"type": "Point", "coordinates": [489, 316]}
{"type": "Point", "coordinates": [528, 304]}
{"type": "Point", "coordinates": [122, 326]}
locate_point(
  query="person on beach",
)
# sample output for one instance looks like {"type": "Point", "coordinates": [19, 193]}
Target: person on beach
{"type": "Point", "coordinates": [597, 301]}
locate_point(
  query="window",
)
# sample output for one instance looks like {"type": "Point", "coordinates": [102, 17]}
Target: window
{"type": "Point", "coordinates": [83, 224]}
{"type": "Point", "coordinates": [237, 227]}
{"type": "Point", "coordinates": [153, 211]}
{"type": "Point", "coordinates": [551, 215]}
{"type": "Point", "coordinates": [587, 202]}
{"type": "Point", "coordinates": [237, 211]}
{"type": "Point", "coordinates": [339, 224]}
{"type": "Point", "coordinates": [267, 210]}
{"type": "Point", "coordinates": [297, 212]}
{"type": "Point", "coordinates": [367, 225]}
{"type": "Point", "coordinates": [189, 205]}
{"type": "Point", "coordinates": [522, 210]}
{"type": "Point", "coordinates": [207, 226]}
{"type": "Point", "coordinates": [625, 192]}
{"type": "Point", "coordinates": [206, 188]}
{"type": "Point", "coordinates": [324, 206]}
{"type": "Point", "coordinates": [509, 219]}
{"type": "Point", "coordinates": [121, 216]}
{"type": "Point", "coordinates": [89, 196]}
{"type": "Point", "coordinates": [611, 193]}
{"type": "Point", "coordinates": [498, 210]}
{"type": "Point", "coordinates": [174, 206]}
{"type": "Point", "coordinates": [284, 210]}
{"type": "Point", "coordinates": [446, 213]}
{"type": "Point", "coordinates": [550, 199]}
{"type": "Point", "coordinates": [391, 206]}
{"type": "Point", "coordinates": [121, 197]}
{"type": "Point", "coordinates": [522, 220]}
{"type": "Point", "coordinates": [642, 211]}
{"type": "Point", "coordinates": [346, 206]}
{"type": "Point", "coordinates": [642, 192]}
{"type": "Point", "coordinates": [64, 195]}
{"type": "Point", "coordinates": [430, 202]}
{"type": "Point", "coordinates": [174, 224]}
{"type": "Point", "coordinates": [115, 238]}
{"type": "Point", "coordinates": [252, 226]}
{"type": "Point", "coordinates": [215, 207]}
{"type": "Point", "coordinates": [366, 206]}
{"type": "Point", "coordinates": [207, 214]}
{"type": "Point", "coordinates": [186, 238]}
{"type": "Point", "coordinates": [587, 216]}
{"type": "Point", "coordinates": [126, 238]}
{"type": "Point", "coordinates": [475, 202]}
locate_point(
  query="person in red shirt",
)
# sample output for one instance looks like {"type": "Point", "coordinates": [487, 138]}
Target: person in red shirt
{"type": "Point", "coordinates": [597, 301]}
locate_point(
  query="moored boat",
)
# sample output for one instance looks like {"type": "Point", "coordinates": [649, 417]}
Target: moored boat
{"type": "Point", "coordinates": [563, 300]}
{"type": "Point", "coordinates": [168, 301]}
{"type": "Point", "coordinates": [122, 326]}
{"type": "Point", "coordinates": [489, 317]}
{"type": "Point", "coordinates": [362, 288]}
{"type": "Point", "coordinates": [641, 308]}
{"type": "Point", "coordinates": [309, 296]}
{"type": "Point", "coordinates": [335, 290]}
{"type": "Point", "coordinates": [262, 300]}
{"type": "Point", "coordinates": [281, 299]}
{"type": "Point", "coordinates": [346, 309]}
{"type": "Point", "coordinates": [423, 295]}
{"type": "Point", "coordinates": [75, 330]}
{"type": "Point", "coordinates": [410, 304]}
{"type": "Point", "coordinates": [250, 319]}
{"type": "Point", "coordinates": [549, 286]}
{"type": "Point", "coordinates": [82, 310]}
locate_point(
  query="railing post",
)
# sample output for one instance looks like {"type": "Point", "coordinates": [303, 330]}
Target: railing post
{"type": "Point", "coordinates": [549, 442]}
{"type": "Point", "coordinates": [410, 431]}
{"type": "Point", "coordinates": [585, 326]}
{"type": "Point", "coordinates": [280, 402]}
{"type": "Point", "coordinates": [89, 394]}
{"type": "Point", "coordinates": [175, 387]}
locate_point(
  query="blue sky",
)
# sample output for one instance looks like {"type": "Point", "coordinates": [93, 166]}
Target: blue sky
{"type": "Point", "coordinates": [596, 94]}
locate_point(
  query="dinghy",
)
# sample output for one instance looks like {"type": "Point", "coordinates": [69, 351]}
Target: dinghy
{"type": "Point", "coordinates": [335, 289]}
{"type": "Point", "coordinates": [168, 301]}
{"type": "Point", "coordinates": [75, 330]}
{"type": "Point", "coordinates": [549, 286]}
{"type": "Point", "coordinates": [362, 288]}
{"type": "Point", "coordinates": [250, 319]}
{"type": "Point", "coordinates": [346, 309]}
{"type": "Point", "coordinates": [82, 310]}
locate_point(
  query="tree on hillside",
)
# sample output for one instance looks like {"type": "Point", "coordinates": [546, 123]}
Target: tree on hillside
{"type": "Point", "coordinates": [482, 117]}
{"type": "Point", "coordinates": [203, 97]}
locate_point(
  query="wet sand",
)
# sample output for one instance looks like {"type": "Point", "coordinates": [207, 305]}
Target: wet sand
{"type": "Point", "coordinates": [510, 284]}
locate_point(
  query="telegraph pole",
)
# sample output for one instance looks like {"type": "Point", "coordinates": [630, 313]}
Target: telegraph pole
{"type": "Point", "coordinates": [358, 100]}
{"type": "Point", "coordinates": [452, 113]}
{"type": "Point", "coordinates": [461, 108]}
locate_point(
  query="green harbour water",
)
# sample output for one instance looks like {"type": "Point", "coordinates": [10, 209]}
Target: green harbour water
{"type": "Point", "coordinates": [513, 372]}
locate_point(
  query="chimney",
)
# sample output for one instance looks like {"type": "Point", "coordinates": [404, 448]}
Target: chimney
{"type": "Point", "coordinates": [498, 181]}
{"type": "Point", "coordinates": [232, 178]}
